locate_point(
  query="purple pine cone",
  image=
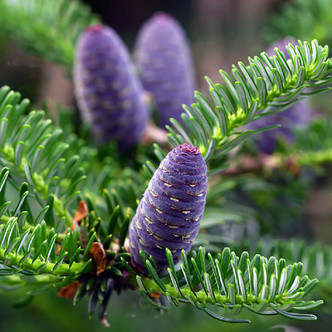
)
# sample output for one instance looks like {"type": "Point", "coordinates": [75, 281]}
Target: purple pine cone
{"type": "Point", "coordinates": [164, 60]}
{"type": "Point", "coordinates": [298, 115]}
{"type": "Point", "coordinates": [170, 212]}
{"type": "Point", "coordinates": [108, 92]}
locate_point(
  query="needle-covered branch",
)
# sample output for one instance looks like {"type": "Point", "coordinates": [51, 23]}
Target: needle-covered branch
{"type": "Point", "coordinates": [262, 285]}
{"type": "Point", "coordinates": [267, 86]}
{"type": "Point", "coordinates": [46, 28]}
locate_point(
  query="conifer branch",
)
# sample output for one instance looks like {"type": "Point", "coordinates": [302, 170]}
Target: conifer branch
{"type": "Point", "coordinates": [315, 257]}
{"type": "Point", "coordinates": [46, 28]}
{"type": "Point", "coordinates": [279, 161]}
{"type": "Point", "coordinates": [40, 266]}
{"type": "Point", "coordinates": [267, 86]}
{"type": "Point", "coordinates": [62, 173]}
{"type": "Point", "coordinates": [264, 286]}
{"type": "Point", "coordinates": [36, 252]}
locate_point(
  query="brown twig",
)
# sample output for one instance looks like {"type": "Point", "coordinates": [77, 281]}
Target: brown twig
{"type": "Point", "coordinates": [154, 134]}
{"type": "Point", "coordinates": [262, 164]}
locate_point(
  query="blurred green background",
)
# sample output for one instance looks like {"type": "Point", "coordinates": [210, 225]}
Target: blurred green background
{"type": "Point", "coordinates": [129, 313]}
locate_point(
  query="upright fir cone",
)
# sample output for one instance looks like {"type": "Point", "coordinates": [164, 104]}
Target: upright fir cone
{"type": "Point", "coordinates": [298, 115]}
{"type": "Point", "coordinates": [164, 60]}
{"type": "Point", "coordinates": [108, 91]}
{"type": "Point", "coordinates": [170, 212]}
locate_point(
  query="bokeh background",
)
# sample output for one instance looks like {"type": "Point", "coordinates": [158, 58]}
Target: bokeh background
{"type": "Point", "coordinates": [221, 33]}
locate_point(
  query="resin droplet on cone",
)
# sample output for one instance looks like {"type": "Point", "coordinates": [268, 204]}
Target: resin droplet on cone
{"type": "Point", "coordinates": [108, 91]}
{"type": "Point", "coordinates": [298, 115]}
{"type": "Point", "coordinates": [170, 212]}
{"type": "Point", "coordinates": [164, 60]}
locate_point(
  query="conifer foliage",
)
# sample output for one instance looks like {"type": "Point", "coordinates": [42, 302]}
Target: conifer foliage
{"type": "Point", "coordinates": [72, 216]}
{"type": "Point", "coordinates": [297, 116]}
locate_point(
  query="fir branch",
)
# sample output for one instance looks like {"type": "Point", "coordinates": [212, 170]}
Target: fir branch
{"type": "Point", "coordinates": [56, 169]}
{"type": "Point", "coordinates": [268, 85]}
{"type": "Point", "coordinates": [46, 28]}
{"type": "Point", "coordinates": [32, 147]}
{"type": "Point", "coordinates": [38, 266]}
{"type": "Point", "coordinates": [36, 252]}
{"type": "Point", "coordinates": [279, 161]}
{"type": "Point", "coordinates": [12, 282]}
{"type": "Point", "coordinates": [29, 244]}
{"type": "Point", "coordinates": [316, 258]}
{"type": "Point", "coordinates": [58, 166]}
{"type": "Point", "coordinates": [21, 209]}
{"type": "Point", "coordinates": [264, 286]}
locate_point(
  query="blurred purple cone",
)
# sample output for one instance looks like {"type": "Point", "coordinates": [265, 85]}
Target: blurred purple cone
{"type": "Point", "coordinates": [164, 60]}
{"type": "Point", "coordinates": [170, 212]}
{"type": "Point", "coordinates": [108, 91]}
{"type": "Point", "coordinates": [297, 116]}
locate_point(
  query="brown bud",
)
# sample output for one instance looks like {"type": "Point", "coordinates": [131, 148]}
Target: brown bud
{"type": "Point", "coordinates": [81, 213]}
{"type": "Point", "coordinates": [98, 255]}
{"type": "Point", "coordinates": [69, 291]}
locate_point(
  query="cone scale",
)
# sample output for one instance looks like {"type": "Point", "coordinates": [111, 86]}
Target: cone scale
{"type": "Point", "coordinates": [171, 209]}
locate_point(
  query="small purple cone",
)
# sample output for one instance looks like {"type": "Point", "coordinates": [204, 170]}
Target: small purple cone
{"type": "Point", "coordinates": [170, 212]}
{"type": "Point", "coordinates": [108, 92]}
{"type": "Point", "coordinates": [164, 60]}
{"type": "Point", "coordinates": [298, 115]}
